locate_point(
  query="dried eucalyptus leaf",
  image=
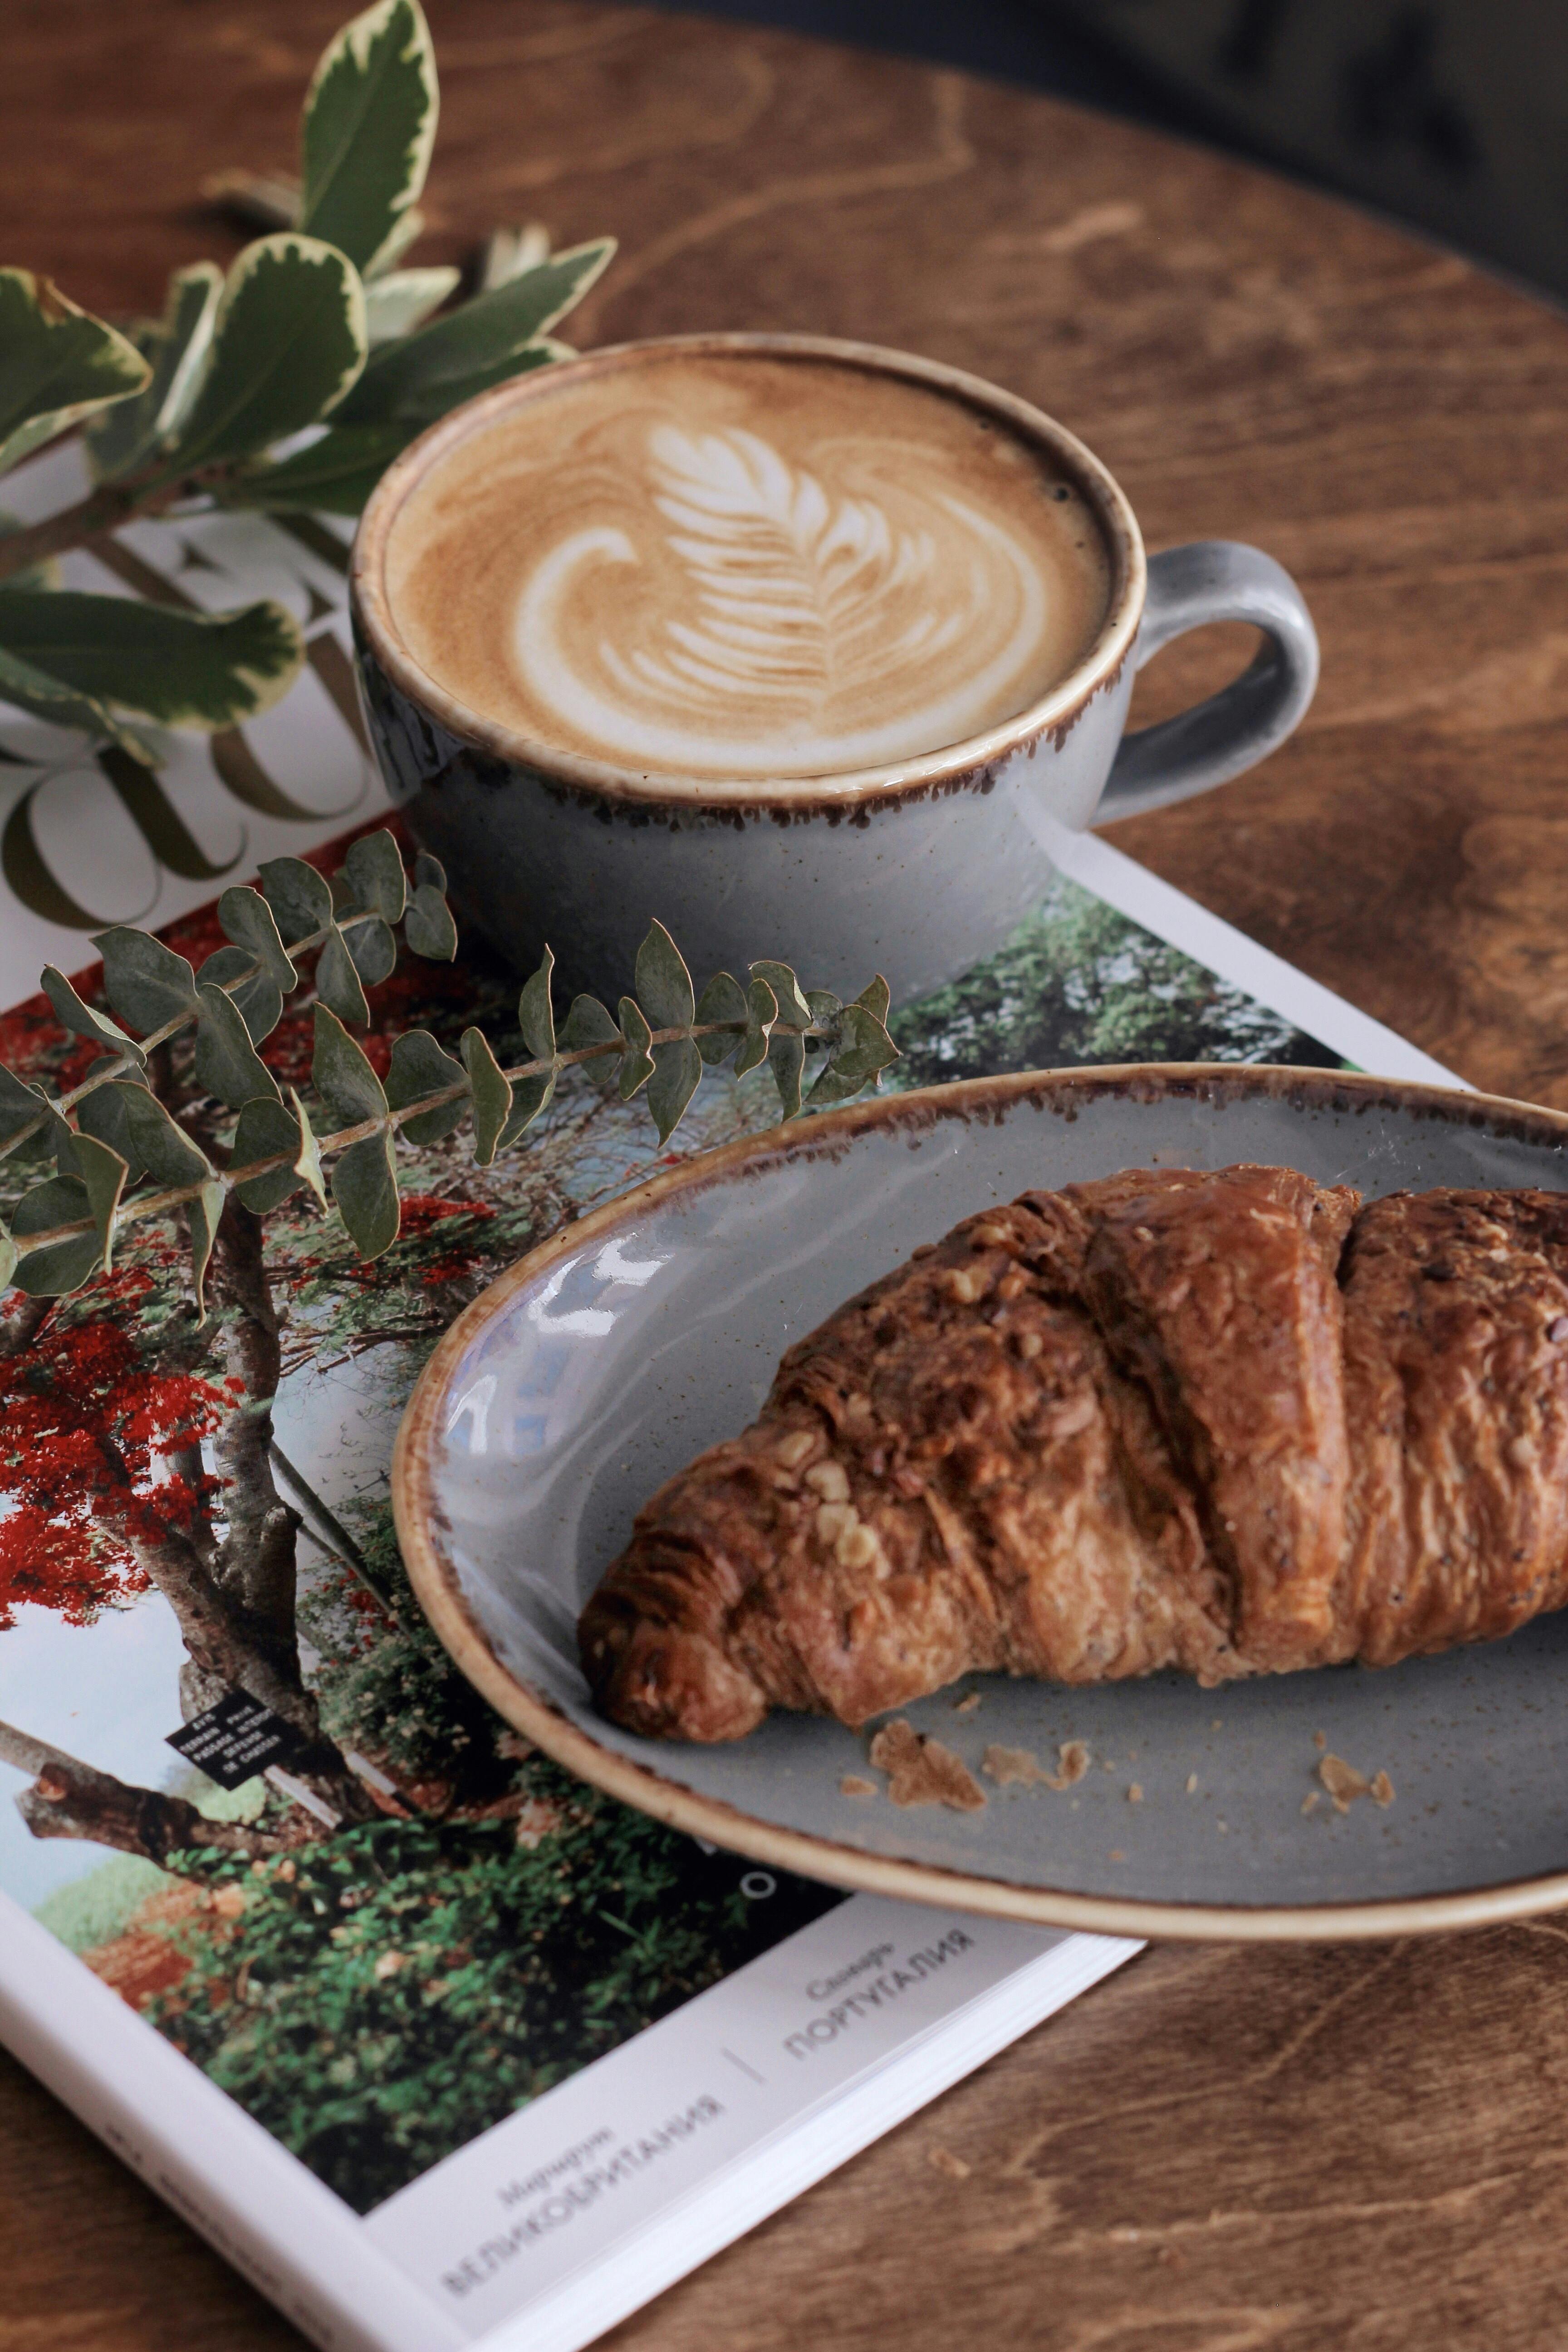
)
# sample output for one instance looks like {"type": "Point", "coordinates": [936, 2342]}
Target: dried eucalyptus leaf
{"type": "Point", "coordinates": [371, 949]}
{"type": "Point", "coordinates": [536, 1014]}
{"type": "Point", "coordinates": [265, 1129]}
{"type": "Point", "coordinates": [9, 1261]}
{"type": "Point", "coordinates": [529, 1098]}
{"type": "Point", "coordinates": [832, 1086]}
{"type": "Point", "coordinates": [589, 1023]}
{"type": "Point", "coordinates": [103, 1175]}
{"type": "Point", "coordinates": [724, 999]}
{"type": "Point", "coordinates": [793, 1012]}
{"type": "Point", "coordinates": [288, 341]}
{"type": "Point", "coordinates": [58, 364]}
{"type": "Point", "coordinates": [421, 1067]}
{"type": "Point", "coordinates": [202, 1217]}
{"type": "Point", "coordinates": [23, 1108]}
{"type": "Point", "coordinates": [786, 1060]}
{"type": "Point", "coordinates": [429, 872]}
{"type": "Point", "coordinates": [492, 1092]}
{"type": "Point", "coordinates": [373, 871]}
{"type": "Point", "coordinates": [637, 1062]}
{"type": "Point", "coordinates": [368, 127]}
{"type": "Point", "coordinates": [365, 1186]}
{"type": "Point", "coordinates": [308, 1164]}
{"type": "Point", "coordinates": [299, 896]}
{"type": "Point", "coordinates": [761, 1012]}
{"type": "Point", "coordinates": [824, 1006]}
{"type": "Point", "coordinates": [677, 1074]}
{"type": "Point", "coordinates": [83, 1022]}
{"type": "Point", "coordinates": [258, 998]}
{"type": "Point", "coordinates": [428, 926]}
{"type": "Point", "coordinates": [104, 1114]}
{"type": "Point", "coordinates": [877, 999]}
{"type": "Point", "coordinates": [338, 982]}
{"type": "Point", "coordinates": [168, 1154]}
{"type": "Point", "coordinates": [227, 1063]}
{"type": "Point", "coordinates": [145, 981]}
{"type": "Point", "coordinates": [245, 917]}
{"type": "Point", "coordinates": [64, 1265]}
{"type": "Point", "coordinates": [662, 982]}
{"type": "Point", "coordinates": [342, 1073]}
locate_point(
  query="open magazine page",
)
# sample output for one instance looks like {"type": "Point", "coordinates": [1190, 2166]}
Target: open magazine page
{"type": "Point", "coordinates": [453, 1988]}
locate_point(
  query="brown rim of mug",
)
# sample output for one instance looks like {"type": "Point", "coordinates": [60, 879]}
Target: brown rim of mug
{"type": "Point", "coordinates": [435, 1579]}
{"type": "Point", "coordinates": [1053, 714]}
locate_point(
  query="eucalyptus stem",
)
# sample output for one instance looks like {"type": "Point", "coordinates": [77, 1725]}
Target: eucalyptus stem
{"type": "Point", "coordinates": [174, 1196]}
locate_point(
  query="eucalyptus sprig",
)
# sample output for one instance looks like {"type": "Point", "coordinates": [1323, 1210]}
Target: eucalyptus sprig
{"type": "Point", "coordinates": [110, 1134]}
{"type": "Point", "coordinates": [286, 385]}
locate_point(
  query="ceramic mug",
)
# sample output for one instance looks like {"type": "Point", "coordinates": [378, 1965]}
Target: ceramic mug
{"type": "Point", "coordinates": [917, 868]}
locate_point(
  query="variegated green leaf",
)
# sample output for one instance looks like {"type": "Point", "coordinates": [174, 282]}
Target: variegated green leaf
{"type": "Point", "coordinates": [183, 669]}
{"type": "Point", "coordinates": [492, 1092]}
{"type": "Point", "coordinates": [342, 1073]}
{"type": "Point", "coordinates": [365, 1186]}
{"type": "Point", "coordinates": [83, 1022]}
{"type": "Point", "coordinates": [289, 341]}
{"type": "Point", "coordinates": [662, 982]}
{"type": "Point", "coordinates": [300, 898]}
{"type": "Point", "coordinates": [255, 994]}
{"type": "Point", "coordinates": [245, 917]}
{"type": "Point", "coordinates": [761, 1012]}
{"type": "Point", "coordinates": [338, 981]}
{"type": "Point", "coordinates": [147, 983]}
{"type": "Point", "coordinates": [334, 475]}
{"type": "Point", "coordinates": [28, 688]}
{"type": "Point", "coordinates": [419, 1069]}
{"type": "Point", "coordinates": [58, 364]}
{"type": "Point", "coordinates": [368, 128]}
{"type": "Point", "coordinates": [63, 1266]}
{"type": "Point", "coordinates": [637, 1062]}
{"type": "Point", "coordinates": [535, 1013]}
{"type": "Point", "coordinates": [104, 1173]}
{"type": "Point", "coordinates": [793, 1012]}
{"type": "Point", "coordinates": [678, 1073]}
{"type": "Point", "coordinates": [226, 1064]}
{"type": "Point", "coordinates": [589, 1023]}
{"type": "Point", "coordinates": [373, 874]}
{"type": "Point", "coordinates": [121, 438]}
{"type": "Point", "coordinates": [401, 300]}
{"type": "Point", "coordinates": [724, 999]}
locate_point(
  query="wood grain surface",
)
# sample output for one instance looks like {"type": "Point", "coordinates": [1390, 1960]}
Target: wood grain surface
{"type": "Point", "coordinates": [1360, 2150]}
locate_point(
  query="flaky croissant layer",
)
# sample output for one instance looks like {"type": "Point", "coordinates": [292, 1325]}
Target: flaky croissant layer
{"type": "Point", "coordinates": [1235, 1423]}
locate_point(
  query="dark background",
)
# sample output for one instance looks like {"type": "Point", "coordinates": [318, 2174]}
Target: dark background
{"type": "Point", "coordinates": [1448, 115]}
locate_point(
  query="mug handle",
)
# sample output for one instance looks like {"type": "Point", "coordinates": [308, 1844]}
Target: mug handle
{"type": "Point", "coordinates": [1216, 580]}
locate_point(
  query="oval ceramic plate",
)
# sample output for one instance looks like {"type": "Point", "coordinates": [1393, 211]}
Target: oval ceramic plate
{"type": "Point", "coordinates": [611, 1355]}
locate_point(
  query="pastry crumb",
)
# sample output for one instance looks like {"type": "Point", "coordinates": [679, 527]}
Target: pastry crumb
{"type": "Point", "coordinates": [1117, 1854]}
{"type": "Point", "coordinates": [1382, 1789]}
{"type": "Point", "coordinates": [1134, 1794]}
{"type": "Point", "coordinates": [1311, 1801]}
{"type": "Point", "coordinates": [1192, 1784]}
{"type": "Point", "coordinates": [853, 1785]}
{"type": "Point", "coordinates": [1319, 1740]}
{"type": "Point", "coordinates": [942, 2159]}
{"type": "Point", "coordinates": [923, 1771]}
{"type": "Point", "coordinates": [1224, 1828]}
{"type": "Point", "coordinates": [1022, 1765]}
{"type": "Point", "coordinates": [966, 1706]}
{"type": "Point", "coordinates": [1345, 1784]}
{"type": "Point", "coordinates": [1072, 1763]}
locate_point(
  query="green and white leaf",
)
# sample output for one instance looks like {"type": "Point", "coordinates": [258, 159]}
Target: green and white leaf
{"type": "Point", "coordinates": [589, 1022]}
{"type": "Point", "coordinates": [535, 1013]}
{"type": "Point", "coordinates": [255, 994]}
{"type": "Point", "coordinates": [508, 252]}
{"type": "Point", "coordinates": [368, 128]}
{"type": "Point", "coordinates": [365, 1186]}
{"type": "Point", "coordinates": [245, 917]}
{"type": "Point", "coordinates": [131, 434]}
{"type": "Point", "coordinates": [401, 300]}
{"type": "Point", "coordinates": [300, 898]}
{"type": "Point", "coordinates": [289, 341]}
{"type": "Point", "coordinates": [63, 1266]}
{"type": "Point", "coordinates": [637, 1062]}
{"type": "Point", "coordinates": [82, 1021]}
{"type": "Point", "coordinates": [724, 999]}
{"type": "Point", "coordinates": [420, 1068]}
{"type": "Point", "coordinates": [147, 983]}
{"type": "Point", "coordinates": [226, 1064]}
{"type": "Point", "coordinates": [33, 690]}
{"type": "Point", "coordinates": [422, 375]}
{"type": "Point", "coordinates": [334, 476]}
{"type": "Point", "coordinates": [662, 982]}
{"type": "Point", "coordinates": [183, 669]}
{"type": "Point", "coordinates": [58, 364]}
{"type": "Point", "coordinates": [342, 1073]}
{"type": "Point", "coordinates": [492, 1092]}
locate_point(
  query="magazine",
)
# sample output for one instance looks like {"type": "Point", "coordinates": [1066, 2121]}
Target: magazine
{"type": "Point", "coordinates": [466, 2051]}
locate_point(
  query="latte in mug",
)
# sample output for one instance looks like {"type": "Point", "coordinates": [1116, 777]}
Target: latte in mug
{"type": "Point", "coordinates": [734, 565]}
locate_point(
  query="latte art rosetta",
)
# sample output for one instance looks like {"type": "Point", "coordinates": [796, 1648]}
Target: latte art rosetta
{"type": "Point", "coordinates": [827, 628]}
{"type": "Point", "coordinates": [742, 568]}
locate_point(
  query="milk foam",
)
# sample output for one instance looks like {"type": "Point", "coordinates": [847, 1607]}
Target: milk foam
{"type": "Point", "coordinates": [740, 567]}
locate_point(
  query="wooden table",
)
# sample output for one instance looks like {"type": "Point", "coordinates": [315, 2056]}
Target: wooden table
{"type": "Point", "coordinates": [1220, 2150]}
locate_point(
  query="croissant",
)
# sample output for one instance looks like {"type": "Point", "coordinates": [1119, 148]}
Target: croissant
{"type": "Point", "coordinates": [1233, 1423]}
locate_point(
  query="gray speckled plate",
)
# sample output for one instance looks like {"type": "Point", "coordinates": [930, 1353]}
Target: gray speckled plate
{"type": "Point", "coordinates": [631, 1340]}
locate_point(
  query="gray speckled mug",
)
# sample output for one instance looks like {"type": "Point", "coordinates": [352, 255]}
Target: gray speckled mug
{"type": "Point", "coordinates": [916, 868]}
